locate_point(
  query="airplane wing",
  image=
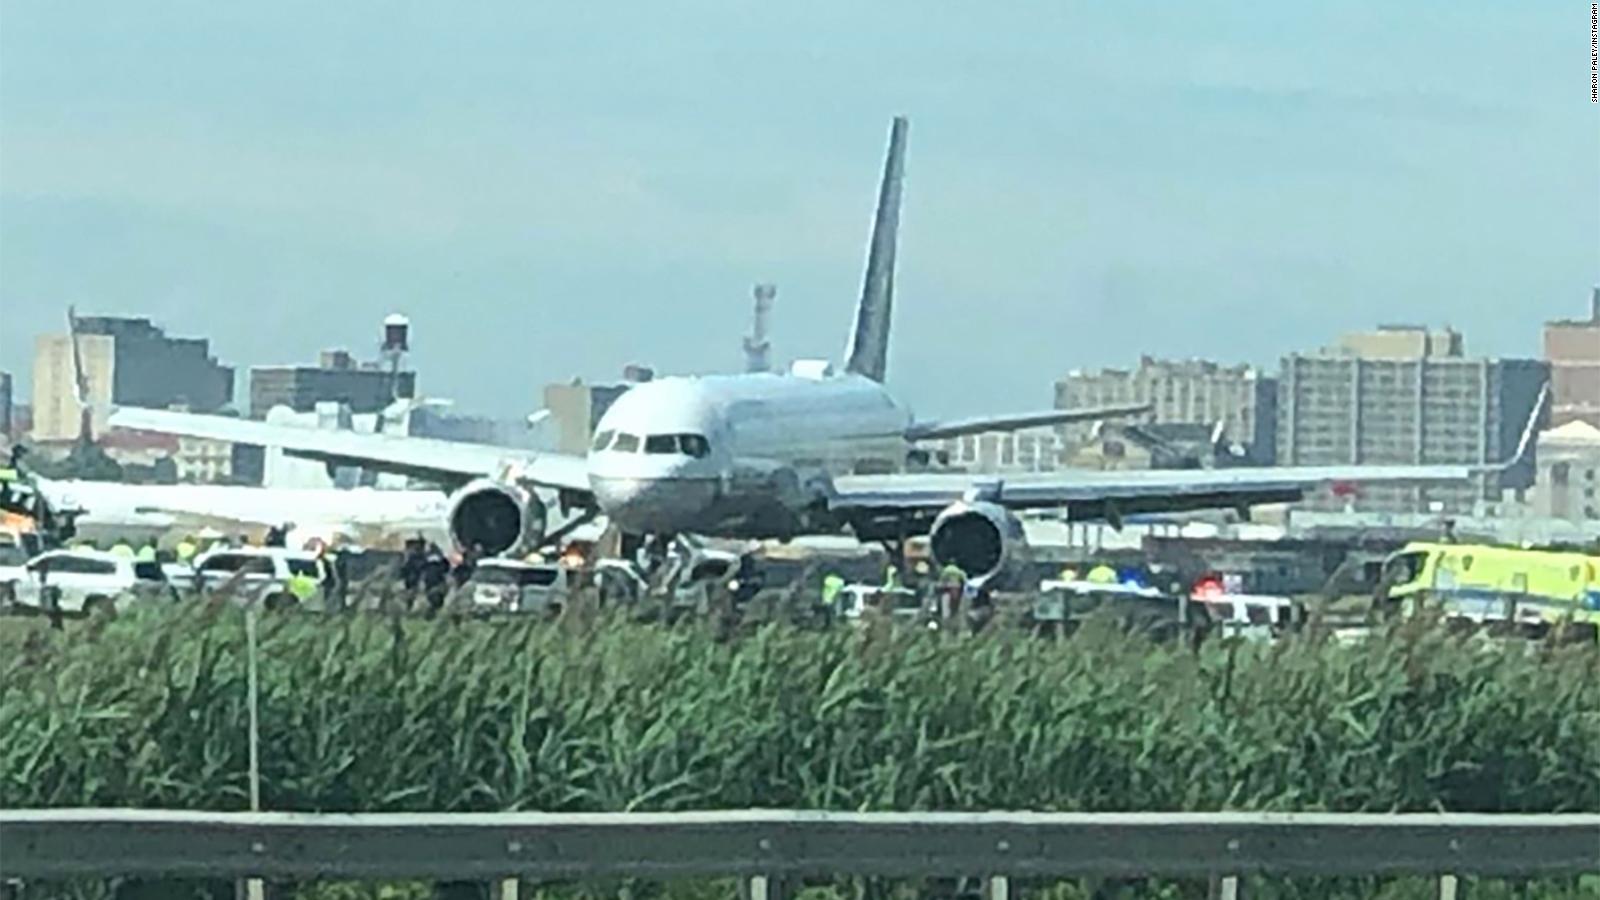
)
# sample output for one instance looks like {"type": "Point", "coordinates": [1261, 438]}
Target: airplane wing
{"type": "Point", "coordinates": [1114, 495]}
{"type": "Point", "coordinates": [922, 431]}
{"type": "Point", "coordinates": [448, 462]}
{"type": "Point", "coordinates": [1111, 496]}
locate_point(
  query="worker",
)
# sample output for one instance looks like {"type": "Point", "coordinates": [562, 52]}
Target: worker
{"type": "Point", "coordinates": [1102, 574]}
{"type": "Point", "coordinates": [122, 549]}
{"type": "Point", "coordinates": [1069, 574]}
{"type": "Point", "coordinates": [147, 553]}
{"type": "Point", "coordinates": [303, 586]}
{"type": "Point", "coordinates": [952, 583]}
{"type": "Point", "coordinates": [436, 572]}
{"type": "Point", "coordinates": [891, 578]}
{"type": "Point", "coordinates": [832, 587]}
{"type": "Point", "coordinates": [186, 550]}
{"type": "Point", "coordinates": [278, 535]}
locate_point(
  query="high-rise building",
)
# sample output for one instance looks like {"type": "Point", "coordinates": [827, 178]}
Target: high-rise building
{"type": "Point", "coordinates": [1572, 347]}
{"type": "Point", "coordinates": [1401, 342]}
{"type": "Point", "coordinates": [128, 362]}
{"type": "Point", "coordinates": [1351, 405]}
{"type": "Point", "coordinates": [5, 404]}
{"type": "Point", "coordinates": [337, 378]}
{"type": "Point", "coordinates": [575, 408]}
{"type": "Point", "coordinates": [1026, 450]}
{"type": "Point", "coordinates": [1184, 391]}
{"type": "Point", "coordinates": [203, 461]}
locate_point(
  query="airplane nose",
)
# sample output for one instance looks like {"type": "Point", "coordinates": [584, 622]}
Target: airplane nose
{"type": "Point", "coordinates": [654, 504]}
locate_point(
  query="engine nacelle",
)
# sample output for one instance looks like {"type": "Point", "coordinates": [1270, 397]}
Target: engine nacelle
{"type": "Point", "coordinates": [985, 540]}
{"type": "Point", "coordinates": [496, 515]}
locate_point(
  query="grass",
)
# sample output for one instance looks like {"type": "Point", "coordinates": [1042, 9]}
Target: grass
{"type": "Point", "coordinates": [364, 712]}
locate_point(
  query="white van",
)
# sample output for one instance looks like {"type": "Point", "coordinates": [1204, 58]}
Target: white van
{"type": "Point", "coordinates": [83, 581]}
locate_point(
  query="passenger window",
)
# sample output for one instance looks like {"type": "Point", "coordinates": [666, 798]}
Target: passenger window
{"type": "Point", "coordinates": [148, 571]}
{"type": "Point", "coordinates": [223, 563]}
{"type": "Point", "coordinates": [626, 443]}
{"type": "Point", "coordinates": [695, 445]}
{"type": "Point", "coordinates": [661, 443]}
{"type": "Point", "coordinates": [602, 440]}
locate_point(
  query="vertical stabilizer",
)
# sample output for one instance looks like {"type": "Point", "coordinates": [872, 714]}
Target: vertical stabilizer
{"type": "Point", "coordinates": [868, 353]}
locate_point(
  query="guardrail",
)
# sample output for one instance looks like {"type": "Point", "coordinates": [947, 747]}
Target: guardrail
{"type": "Point", "coordinates": [772, 848]}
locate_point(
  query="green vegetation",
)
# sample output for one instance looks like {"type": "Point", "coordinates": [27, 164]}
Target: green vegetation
{"type": "Point", "coordinates": [368, 713]}
{"type": "Point", "coordinates": [364, 712]}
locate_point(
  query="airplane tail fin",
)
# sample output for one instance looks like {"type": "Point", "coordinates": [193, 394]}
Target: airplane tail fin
{"type": "Point", "coordinates": [868, 353]}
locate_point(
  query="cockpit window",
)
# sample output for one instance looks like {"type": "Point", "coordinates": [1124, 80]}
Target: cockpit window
{"type": "Point", "coordinates": [661, 443]}
{"type": "Point", "coordinates": [695, 445]}
{"type": "Point", "coordinates": [602, 440]}
{"type": "Point", "coordinates": [626, 443]}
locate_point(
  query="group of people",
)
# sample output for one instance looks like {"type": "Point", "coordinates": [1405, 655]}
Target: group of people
{"type": "Point", "coordinates": [428, 570]}
{"type": "Point", "coordinates": [949, 591]}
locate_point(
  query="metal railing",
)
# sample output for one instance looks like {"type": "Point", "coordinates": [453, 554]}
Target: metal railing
{"type": "Point", "coordinates": [773, 848]}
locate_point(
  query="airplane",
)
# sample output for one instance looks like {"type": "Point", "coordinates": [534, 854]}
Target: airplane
{"type": "Point", "coordinates": [330, 515]}
{"type": "Point", "coordinates": [812, 451]}
{"type": "Point", "coordinates": [79, 507]}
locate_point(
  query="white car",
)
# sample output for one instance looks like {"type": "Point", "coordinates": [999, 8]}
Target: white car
{"type": "Point", "coordinates": [508, 585]}
{"type": "Point", "coordinates": [14, 554]}
{"type": "Point", "coordinates": [82, 581]}
{"type": "Point", "coordinates": [257, 574]}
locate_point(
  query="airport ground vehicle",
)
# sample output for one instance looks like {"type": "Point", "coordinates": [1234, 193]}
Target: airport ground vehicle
{"type": "Point", "coordinates": [16, 548]}
{"type": "Point", "coordinates": [83, 581]}
{"type": "Point", "coordinates": [1257, 617]}
{"type": "Point", "coordinates": [687, 586]}
{"type": "Point", "coordinates": [1485, 583]}
{"type": "Point", "coordinates": [901, 604]}
{"type": "Point", "coordinates": [1059, 606]}
{"type": "Point", "coordinates": [508, 585]}
{"type": "Point", "coordinates": [271, 576]}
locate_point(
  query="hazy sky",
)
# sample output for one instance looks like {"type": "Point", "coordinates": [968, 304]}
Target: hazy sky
{"type": "Point", "coordinates": [552, 190]}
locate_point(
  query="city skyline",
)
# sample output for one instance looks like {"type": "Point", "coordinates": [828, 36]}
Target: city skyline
{"type": "Point", "coordinates": [279, 180]}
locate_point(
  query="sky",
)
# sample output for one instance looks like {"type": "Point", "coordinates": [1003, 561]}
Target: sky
{"type": "Point", "coordinates": [557, 190]}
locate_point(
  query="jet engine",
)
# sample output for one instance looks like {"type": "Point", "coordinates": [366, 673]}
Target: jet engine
{"type": "Point", "coordinates": [983, 539]}
{"type": "Point", "coordinates": [496, 515]}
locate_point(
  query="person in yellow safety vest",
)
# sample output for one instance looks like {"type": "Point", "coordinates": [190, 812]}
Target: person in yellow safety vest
{"type": "Point", "coordinates": [832, 587]}
{"type": "Point", "coordinates": [147, 553]}
{"type": "Point", "coordinates": [952, 575]}
{"type": "Point", "coordinates": [303, 587]}
{"type": "Point", "coordinates": [185, 550]}
{"type": "Point", "coordinates": [1069, 574]}
{"type": "Point", "coordinates": [891, 578]}
{"type": "Point", "coordinates": [122, 549]}
{"type": "Point", "coordinates": [1102, 574]}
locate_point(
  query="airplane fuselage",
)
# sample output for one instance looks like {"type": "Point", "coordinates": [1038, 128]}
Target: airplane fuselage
{"type": "Point", "coordinates": [748, 455]}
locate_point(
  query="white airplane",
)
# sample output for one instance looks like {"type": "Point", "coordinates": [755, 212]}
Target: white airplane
{"type": "Point", "coordinates": [323, 513]}
{"type": "Point", "coordinates": [114, 508]}
{"type": "Point", "coordinates": [811, 451]}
